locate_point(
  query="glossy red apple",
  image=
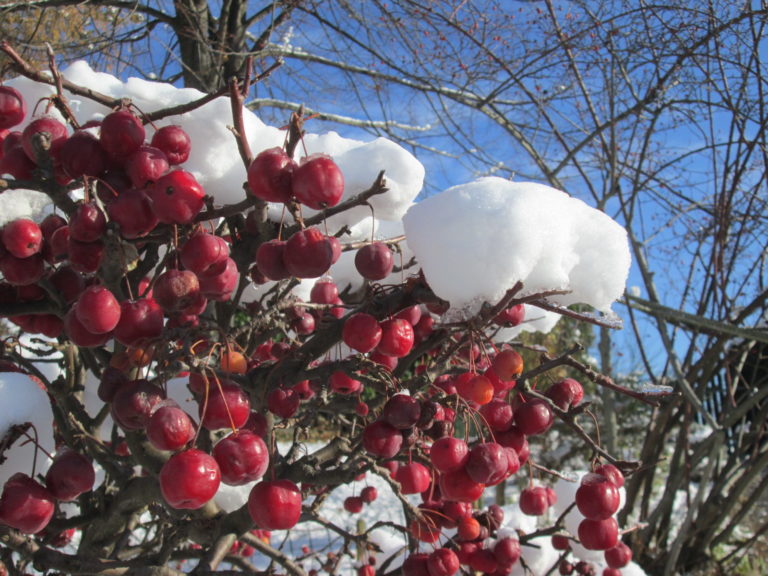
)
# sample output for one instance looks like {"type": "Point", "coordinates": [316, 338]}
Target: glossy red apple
{"type": "Point", "coordinates": [169, 428]}
{"type": "Point", "coordinates": [226, 406]}
{"type": "Point", "coordinates": [13, 108]}
{"type": "Point", "coordinates": [174, 142]}
{"type": "Point", "coordinates": [22, 237]}
{"type": "Point", "coordinates": [26, 505]}
{"type": "Point", "coordinates": [374, 261]}
{"type": "Point", "coordinates": [177, 197]}
{"type": "Point", "coordinates": [70, 475]}
{"type": "Point", "coordinates": [98, 310]}
{"type": "Point", "coordinates": [189, 479]}
{"type": "Point", "coordinates": [396, 337]}
{"type": "Point", "coordinates": [121, 133]}
{"type": "Point", "coordinates": [270, 175]}
{"type": "Point", "coordinates": [318, 182]}
{"type": "Point", "coordinates": [275, 504]}
{"type": "Point", "coordinates": [242, 457]}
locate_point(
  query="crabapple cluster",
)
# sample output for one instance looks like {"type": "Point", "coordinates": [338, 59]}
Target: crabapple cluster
{"type": "Point", "coordinates": [596, 501]}
{"type": "Point", "coordinates": [28, 506]}
{"type": "Point", "coordinates": [142, 279]}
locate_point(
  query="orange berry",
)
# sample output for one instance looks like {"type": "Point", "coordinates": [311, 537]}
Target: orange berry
{"type": "Point", "coordinates": [468, 528]}
{"type": "Point", "coordinates": [139, 356]}
{"type": "Point", "coordinates": [507, 364]}
{"type": "Point", "coordinates": [233, 362]}
{"type": "Point", "coordinates": [120, 361]}
{"type": "Point", "coordinates": [478, 389]}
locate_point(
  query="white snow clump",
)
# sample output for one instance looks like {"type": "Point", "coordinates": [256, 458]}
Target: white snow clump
{"type": "Point", "coordinates": [492, 233]}
{"type": "Point", "coordinates": [215, 161]}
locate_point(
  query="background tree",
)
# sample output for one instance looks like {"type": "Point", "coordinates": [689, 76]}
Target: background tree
{"type": "Point", "coordinates": [654, 113]}
{"type": "Point", "coordinates": [82, 30]}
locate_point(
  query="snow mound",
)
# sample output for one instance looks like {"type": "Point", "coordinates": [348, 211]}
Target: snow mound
{"type": "Point", "coordinates": [494, 232]}
{"type": "Point", "coordinates": [215, 160]}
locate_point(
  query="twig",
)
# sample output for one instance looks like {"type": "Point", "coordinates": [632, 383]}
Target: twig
{"type": "Point", "coordinates": [274, 554]}
{"type": "Point", "coordinates": [237, 98]}
{"type": "Point", "coordinates": [358, 245]}
{"type": "Point", "coordinates": [607, 382]}
{"type": "Point", "coordinates": [14, 433]}
{"type": "Point", "coordinates": [605, 321]}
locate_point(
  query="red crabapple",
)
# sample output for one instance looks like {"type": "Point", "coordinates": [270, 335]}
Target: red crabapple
{"type": "Point", "coordinates": [226, 406]}
{"type": "Point", "coordinates": [599, 534]}
{"type": "Point", "coordinates": [176, 290]}
{"type": "Point", "coordinates": [565, 393]}
{"type": "Point", "coordinates": [25, 505]}
{"type": "Point", "coordinates": [369, 494]}
{"type": "Point", "coordinates": [458, 485]}
{"type": "Point", "coordinates": [174, 142]}
{"type": "Point", "coordinates": [511, 316]}
{"type": "Point", "coordinates": [48, 125]}
{"type": "Point", "coordinates": [121, 133]}
{"type": "Point", "coordinates": [507, 364]}
{"type": "Point", "coordinates": [361, 332]}
{"type": "Point", "coordinates": [140, 320]}
{"type": "Point", "coordinates": [283, 402]}
{"type": "Point", "coordinates": [382, 439]}
{"type": "Point", "coordinates": [269, 260]}
{"type": "Point", "coordinates": [396, 337]}
{"type": "Point", "coordinates": [401, 411]}
{"type": "Point", "coordinates": [318, 182]}
{"type": "Point", "coordinates": [487, 463]}
{"type": "Point", "coordinates": [242, 457]}
{"type": "Point", "coordinates": [22, 237]}
{"type": "Point", "coordinates": [270, 175]}
{"type": "Point", "coordinates": [275, 504]}
{"type": "Point", "coordinates": [414, 478]}
{"type": "Point", "coordinates": [534, 501]}
{"type": "Point", "coordinates": [534, 417]}
{"type": "Point", "coordinates": [618, 556]}
{"type": "Point", "coordinates": [69, 475]}
{"type": "Point", "coordinates": [449, 453]}
{"type": "Point", "coordinates": [88, 223]}
{"type": "Point", "coordinates": [612, 473]}
{"type": "Point", "coordinates": [146, 165]}
{"type": "Point", "coordinates": [134, 212]}
{"type": "Point", "coordinates": [443, 562]}
{"type": "Point", "coordinates": [341, 383]}
{"type": "Point", "coordinates": [353, 504]}
{"type": "Point", "coordinates": [98, 310]}
{"type": "Point", "coordinates": [203, 250]}
{"type": "Point", "coordinates": [374, 261]}
{"type": "Point", "coordinates": [189, 479]}
{"type": "Point", "coordinates": [597, 497]}
{"type": "Point", "coordinates": [79, 334]}
{"type": "Point", "coordinates": [177, 197]}
{"type": "Point", "coordinates": [220, 280]}
{"type": "Point", "coordinates": [308, 253]}
{"type": "Point", "coordinates": [12, 107]}
{"type": "Point", "coordinates": [134, 402]}
{"type": "Point", "coordinates": [82, 155]}
{"type": "Point", "coordinates": [169, 428]}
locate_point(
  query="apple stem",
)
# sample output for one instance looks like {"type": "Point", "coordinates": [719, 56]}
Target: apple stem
{"type": "Point", "coordinates": [37, 445]}
{"type": "Point", "coordinates": [597, 427]}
